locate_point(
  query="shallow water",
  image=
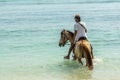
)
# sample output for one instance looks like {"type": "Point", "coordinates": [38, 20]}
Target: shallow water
{"type": "Point", "coordinates": [29, 36]}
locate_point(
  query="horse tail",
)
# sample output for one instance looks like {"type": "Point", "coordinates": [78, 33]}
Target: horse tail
{"type": "Point", "coordinates": [88, 57]}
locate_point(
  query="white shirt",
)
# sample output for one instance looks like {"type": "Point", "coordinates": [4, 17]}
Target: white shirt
{"type": "Point", "coordinates": [80, 31]}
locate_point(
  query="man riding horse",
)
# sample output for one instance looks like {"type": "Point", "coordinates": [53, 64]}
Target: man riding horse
{"type": "Point", "coordinates": [79, 43]}
{"type": "Point", "coordinates": [79, 34]}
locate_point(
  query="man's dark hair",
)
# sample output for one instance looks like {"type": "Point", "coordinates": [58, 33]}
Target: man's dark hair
{"type": "Point", "coordinates": [77, 17]}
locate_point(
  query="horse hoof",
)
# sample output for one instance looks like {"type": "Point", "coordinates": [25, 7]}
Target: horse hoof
{"type": "Point", "coordinates": [91, 68]}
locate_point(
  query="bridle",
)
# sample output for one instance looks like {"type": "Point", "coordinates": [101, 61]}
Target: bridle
{"type": "Point", "coordinates": [65, 37]}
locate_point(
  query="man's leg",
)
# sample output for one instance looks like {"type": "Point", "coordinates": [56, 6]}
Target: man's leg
{"type": "Point", "coordinates": [70, 49]}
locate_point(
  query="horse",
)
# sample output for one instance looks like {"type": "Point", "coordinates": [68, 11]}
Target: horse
{"type": "Point", "coordinates": [81, 50]}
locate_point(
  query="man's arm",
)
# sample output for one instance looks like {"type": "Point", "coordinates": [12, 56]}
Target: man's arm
{"type": "Point", "coordinates": [71, 46]}
{"type": "Point", "coordinates": [75, 32]}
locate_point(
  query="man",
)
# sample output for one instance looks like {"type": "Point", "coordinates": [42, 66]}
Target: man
{"type": "Point", "coordinates": [79, 33]}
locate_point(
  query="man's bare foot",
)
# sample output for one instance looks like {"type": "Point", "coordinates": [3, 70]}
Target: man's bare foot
{"type": "Point", "coordinates": [66, 57]}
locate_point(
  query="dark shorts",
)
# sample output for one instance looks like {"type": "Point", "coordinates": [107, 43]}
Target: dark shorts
{"type": "Point", "coordinates": [82, 38]}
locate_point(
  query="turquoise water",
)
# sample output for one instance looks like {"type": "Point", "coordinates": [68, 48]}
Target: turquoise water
{"type": "Point", "coordinates": [30, 32]}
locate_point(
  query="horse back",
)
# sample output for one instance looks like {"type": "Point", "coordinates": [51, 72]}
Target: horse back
{"type": "Point", "coordinates": [79, 51]}
{"type": "Point", "coordinates": [84, 43]}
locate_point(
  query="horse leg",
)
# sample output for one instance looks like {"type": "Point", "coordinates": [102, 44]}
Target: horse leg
{"type": "Point", "coordinates": [74, 57]}
{"type": "Point", "coordinates": [90, 67]}
{"type": "Point", "coordinates": [86, 63]}
{"type": "Point", "coordinates": [92, 54]}
{"type": "Point", "coordinates": [79, 60]}
{"type": "Point", "coordinates": [92, 51]}
{"type": "Point", "coordinates": [88, 57]}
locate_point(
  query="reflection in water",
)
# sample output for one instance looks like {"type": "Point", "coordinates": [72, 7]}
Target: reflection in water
{"type": "Point", "coordinates": [70, 70]}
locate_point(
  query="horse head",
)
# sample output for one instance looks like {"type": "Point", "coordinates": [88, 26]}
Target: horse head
{"type": "Point", "coordinates": [63, 38]}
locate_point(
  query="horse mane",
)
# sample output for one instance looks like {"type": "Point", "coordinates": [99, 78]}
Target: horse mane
{"type": "Point", "coordinates": [72, 34]}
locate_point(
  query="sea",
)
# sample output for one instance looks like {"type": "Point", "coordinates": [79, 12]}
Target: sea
{"type": "Point", "coordinates": [30, 33]}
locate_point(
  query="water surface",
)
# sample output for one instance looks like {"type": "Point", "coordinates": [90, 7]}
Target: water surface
{"type": "Point", "coordinates": [29, 36]}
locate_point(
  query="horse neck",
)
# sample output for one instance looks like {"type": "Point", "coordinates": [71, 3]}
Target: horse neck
{"type": "Point", "coordinates": [69, 36]}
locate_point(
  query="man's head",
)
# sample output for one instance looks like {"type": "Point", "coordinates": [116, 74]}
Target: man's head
{"type": "Point", "coordinates": [77, 18]}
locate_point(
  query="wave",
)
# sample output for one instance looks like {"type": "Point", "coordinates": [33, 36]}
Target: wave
{"type": "Point", "coordinates": [59, 2]}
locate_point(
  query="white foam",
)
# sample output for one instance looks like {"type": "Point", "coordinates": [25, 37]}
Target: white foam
{"type": "Point", "coordinates": [97, 60]}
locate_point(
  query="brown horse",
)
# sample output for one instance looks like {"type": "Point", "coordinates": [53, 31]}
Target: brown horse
{"type": "Point", "coordinates": [81, 50]}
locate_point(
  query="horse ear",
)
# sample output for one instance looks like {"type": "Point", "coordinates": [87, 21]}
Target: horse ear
{"type": "Point", "coordinates": [63, 30]}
